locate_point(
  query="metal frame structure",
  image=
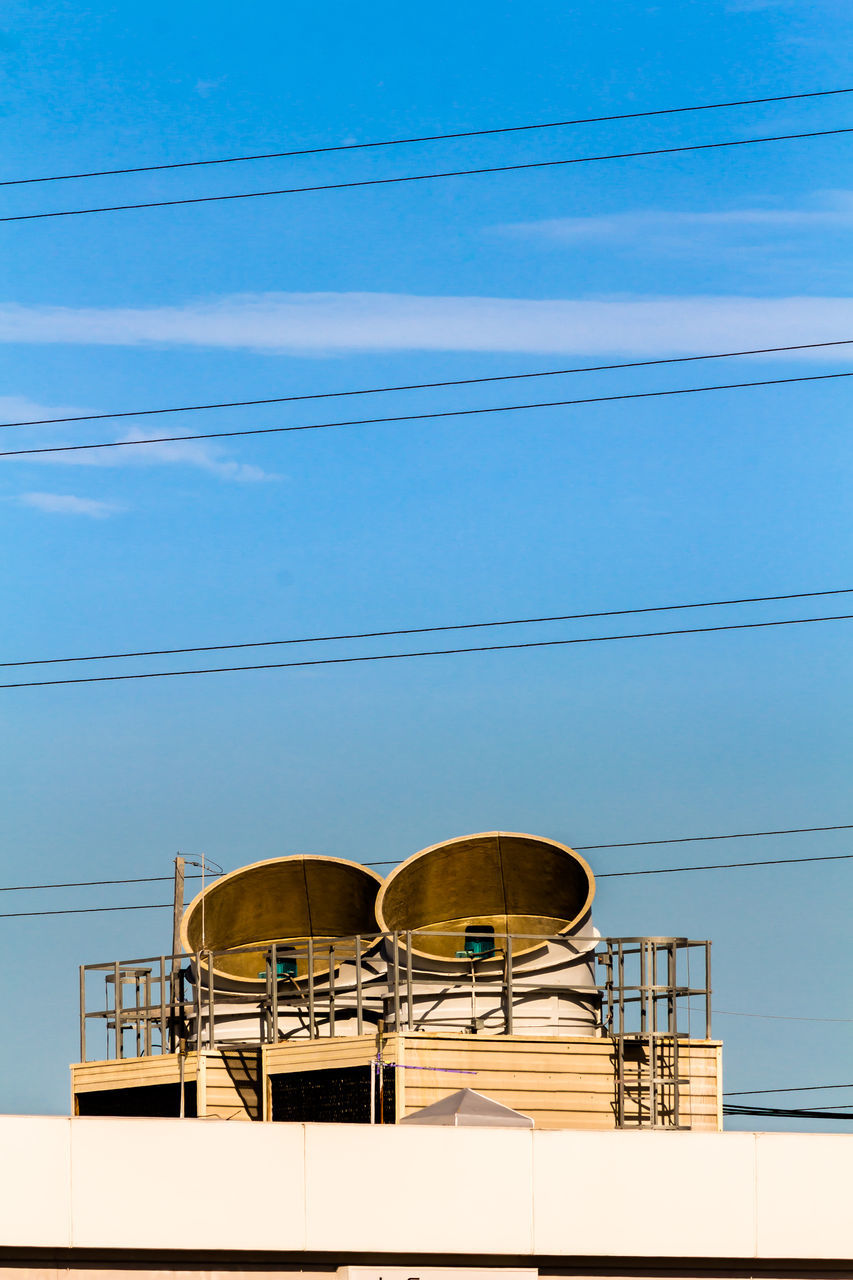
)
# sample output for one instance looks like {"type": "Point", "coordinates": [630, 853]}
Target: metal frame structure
{"type": "Point", "coordinates": [643, 992]}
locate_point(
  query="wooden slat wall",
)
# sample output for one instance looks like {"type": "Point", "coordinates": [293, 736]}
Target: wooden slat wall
{"type": "Point", "coordinates": [565, 1083]}
{"type": "Point", "coordinates": [228, 1081]}
{"type": "Point", "coordinates": [560, 1084]}
{"type": "Point", "coordinates": [315, 1055]}
{"type": "Point", "coordinates": [231, 1085]}
{"type": "Point", "coordinates": [127, 1073]}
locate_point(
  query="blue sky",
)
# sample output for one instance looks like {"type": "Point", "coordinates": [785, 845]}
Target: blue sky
{"type": "Point", "coordinates": [363, 528]}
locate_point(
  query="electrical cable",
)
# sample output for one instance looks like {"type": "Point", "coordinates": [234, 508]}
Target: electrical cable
{"type": "Point", "coordinates": [88, 884]}
{"type": "Point", "coordinates": [414, 631]}
{"type": "Point", "coordinates": [82, 911]}
{"type": "Point", "coordinates": [775, 1017]}
{"type": "Point", "coordinates": [735, 835]}
{"type": "Point", "coordinates": [429, 653]}
{"type": "Point", "coordinates": [427, 177]}
{"type": "Point", "coordinates": [724, 866]}
{"type": "Point", "coordinates": [796, 1088]}
{"type": "Point", "coordinates": [422, 417]}
{"type": "Point", "coordinates": [786, 1113]}
{"type": "Point", "coordinates": [434, 137]}
{"type": "Point", "coordinates": [162, 906]}
{"type": "Point", "coordinates": [426, 653]}
{"type": "Point", "coordinates": [424, 386]}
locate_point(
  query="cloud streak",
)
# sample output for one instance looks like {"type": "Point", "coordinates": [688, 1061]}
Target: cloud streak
{"type": "Point", "coordinates": [335, 323]}
{"type": "Point", "coordinates": [835, 213]}
{"type": "Point", "coordinates": [67, 504]}
{"type": "Point", "coordinates": [201, 454]}
{"type": "Point", "coordinates": [189, 453]}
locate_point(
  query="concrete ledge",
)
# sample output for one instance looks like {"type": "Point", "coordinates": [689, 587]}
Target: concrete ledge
{"type": "Point", "coordinates": [350, 1191]}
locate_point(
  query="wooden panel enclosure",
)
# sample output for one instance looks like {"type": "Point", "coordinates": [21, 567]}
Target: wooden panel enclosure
{"type": "Point", "coordinates": [221, 1084]}
{"type": "Point", "coordinates": [566, 1083]}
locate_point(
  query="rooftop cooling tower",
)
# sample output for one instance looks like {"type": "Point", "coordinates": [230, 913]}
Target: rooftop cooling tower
{"type": "Point", "coordinates": [457, 898]}
{"type": "Point", "coordinates": [288, 901]}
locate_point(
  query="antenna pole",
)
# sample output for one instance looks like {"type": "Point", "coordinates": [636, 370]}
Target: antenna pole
{"type": "Point", "coordinates": [176, 1002]}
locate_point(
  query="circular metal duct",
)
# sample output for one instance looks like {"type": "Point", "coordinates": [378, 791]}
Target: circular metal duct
{"type": "Point", "coordinates": [513, 882]}
{"type": "Point", "coordinates": [282, 900]}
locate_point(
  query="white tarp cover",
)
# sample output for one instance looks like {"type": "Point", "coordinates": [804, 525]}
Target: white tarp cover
{"type": "Point", "coordinates": [467, 1107]}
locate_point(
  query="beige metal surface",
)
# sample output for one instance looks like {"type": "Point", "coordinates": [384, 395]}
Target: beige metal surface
{"type": "Point", "coordinates": [562, 1083]}
{"type": "Point", "coordinates": [286, 900]}
{"type": "Point", "coordinates": [514, 882]}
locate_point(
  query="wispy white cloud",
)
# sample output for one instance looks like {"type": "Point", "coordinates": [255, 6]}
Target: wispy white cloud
{"type": "Point", "coordinates": [204, 88]}
{"type": "Point", "coordinates": [328, 323]}
{"type": "Point", "coordinates": [831, 210]}
{"type": "Point", "coordinates": [67, 504]}
{"type": "Point", "coordinates": [202, 454]}
{"type": "Point", "coordinates": [23, 409]}
{"type": "Point", "coordinates": [750, 6]}
{"type": "Point", "coordinates": [180, 453]}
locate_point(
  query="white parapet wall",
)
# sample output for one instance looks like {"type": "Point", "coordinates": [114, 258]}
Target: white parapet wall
{"type": "Point", "coordinates": [352, 1193]}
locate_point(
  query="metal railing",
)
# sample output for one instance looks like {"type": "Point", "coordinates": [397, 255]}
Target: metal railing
{"type": "Point", "coordinates": [641, 988]}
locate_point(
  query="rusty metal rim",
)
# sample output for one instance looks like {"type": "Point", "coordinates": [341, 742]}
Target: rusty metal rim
{"type": "Point", "coordinates": [448, 844]}
{"type": "Point", "coordinates": [369, 939]}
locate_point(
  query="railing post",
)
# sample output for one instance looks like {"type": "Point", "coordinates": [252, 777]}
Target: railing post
{"type": "Point", "coordinates": [707, 991]}
{"type": "Point", "coordinates": [211, 1012]}
{"type": "Point", "coordinates": [396, 955]}
{"type": "Point", "coordinates": [331, 990]}
{"type": "Point", "coordinates": [82, 1013]}
{"type": "Point", "coordinates": [147, 1014]}
{"type": "Point", "coordinates": [162, 1004]}
{"type": "Point", "coordinates": [117, 1001]}
{"type": "Point", "coordinates": [409, 1001]}
{"type": "Point", "coordinates": [273, 963]}
{"type": "Point", "coordinates": [359, 1009]}
{"type": "Point", "coordinates": [197, 1001]}
{"type": "Point", "coordinates": [311, 1028]}
{"type": "Point", "coordinates": [509, 991]}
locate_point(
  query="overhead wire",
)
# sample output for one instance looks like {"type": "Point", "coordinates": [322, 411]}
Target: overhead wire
{"type": "Point", "coordinates": [410, 631]}
{"type": "Point", "coordinates": [795, 1088]}
{"type": "Point", "coordinates": [423, 386]}
{"type": "Point", "coordinates": [724, 866]}
{"type": "Point", "coordinates": [734, 835]}
{"type": "Point", "coordinates": [426, 177]}
{"type": "Point", "coordinates": [162, 906]}
{"type": "Point", "coordinates": [786, 1113]}
{"type": "Point", "coordinates": [88, 884]}
{"type": "Point", "coordinates": [423, 138]}
{"type": "Point", "coordinates": [769, 862]}
{"type": "Point", "coordinates": [425, 653]}
{"type": "Point", "coordinates": [131, 443]}
{"type": "Point", "coordinates": [82, 911]}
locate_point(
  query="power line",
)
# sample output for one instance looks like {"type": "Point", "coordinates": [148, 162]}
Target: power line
{"type": "Point", "coordinates": [434, 137]}
{"type": "Point", "coordinates": [426, 653]}
{"type": "Point", "coordinates": [87, 884]}
{"type": "Point", "coordinates": [724, 866]}
{"type": "Point", "coordinates": [639, 844]}
{"type": "Point", "coordinates": [424, 386]}
{"type": "Point", "coordinates": [423, 417]}
{"type": "Point", "coordinates": [82, 911]}
{"type": "Point", "coordinates": [162, 906]}
{"type": "Point", "coordinates": [786, 1113]}
{"type": "Point", "coordinates": [414, 631]}
{"type": "Point", "coordinates": [77, 884]}
{"type": "Point", "coordinates": [427, 177]}
{"type": "Point", "coordinates": [796, 1088]}
{"type": "Point", "coordinates": [775, 1017]}
{"type": "Point", "coordinates": [735, 835]}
